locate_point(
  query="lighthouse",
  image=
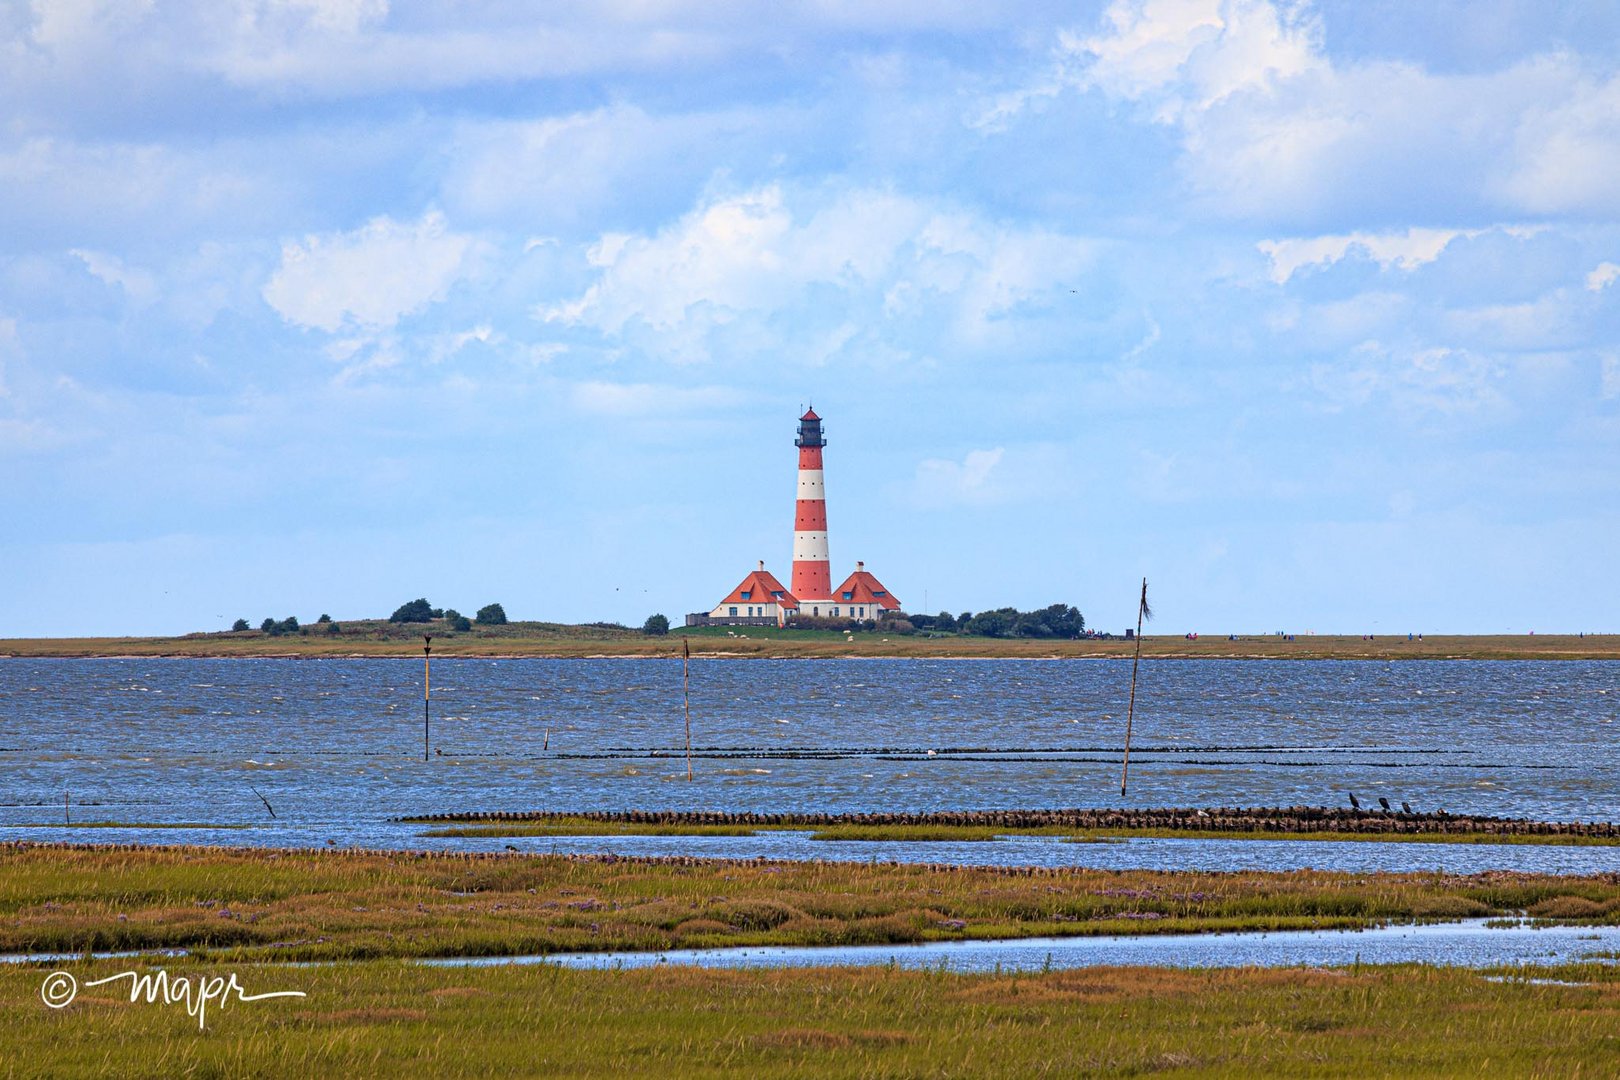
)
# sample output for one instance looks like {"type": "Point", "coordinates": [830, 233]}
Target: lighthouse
{"type": "Point", "coordinates": [760, 600]}
{"type": "Point", "coordinates": [812, 569]}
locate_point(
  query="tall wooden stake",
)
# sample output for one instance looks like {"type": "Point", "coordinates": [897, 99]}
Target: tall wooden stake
{"type": "Point", "coordinates": [1142, 612]}
{"type": "Point", "coordinates": [427, 685]}
{"type": "Point", "coordinates": [686, 699]}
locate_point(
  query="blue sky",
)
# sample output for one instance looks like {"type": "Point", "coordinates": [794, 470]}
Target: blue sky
{"type": "Point", "coordinates": [1308, 312]}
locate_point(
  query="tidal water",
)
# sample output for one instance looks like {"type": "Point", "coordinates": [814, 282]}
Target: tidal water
{"type": "Point", "coordinates": [1469, 943]}
{"type": "Point", "coordinates": [335, 745]}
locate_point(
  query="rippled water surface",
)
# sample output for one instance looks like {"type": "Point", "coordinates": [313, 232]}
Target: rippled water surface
{"type": "Point", "coordinates": [1470, 943]}
{"type": "Point", "coordinates": [336, 745]}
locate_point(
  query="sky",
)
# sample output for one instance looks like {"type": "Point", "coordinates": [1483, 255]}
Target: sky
{"type": "Point", "coordinates": [1309, 313]}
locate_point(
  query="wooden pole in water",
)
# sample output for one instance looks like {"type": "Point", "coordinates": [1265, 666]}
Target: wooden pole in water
{"type": "Point", "coordinates": [686, 699]}
{"type": "Point", "coordinates": [1142, 612]}
{"type": "Point", "coordinates": [427, 685]}
{"type": "Point", "coordinates": [67, 815]}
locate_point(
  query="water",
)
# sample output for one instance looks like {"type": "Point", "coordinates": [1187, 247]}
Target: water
{"type": "Point", "coordinates": [1472, 943]}
{"type": "Point", "coordinates": [1469, 943]}
{"type": "Point", "coordinates": [335, 745]}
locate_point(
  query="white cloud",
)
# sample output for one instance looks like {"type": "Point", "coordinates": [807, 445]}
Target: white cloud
{"type": "Point", "coordinates": [1274, 127]}
{"type": "Point", "coordinates": [1431, 381]}
{"type": "Point", "coordinates": [9, 346]}
{"type": "Point", "coordinates": [369, 278]}
{"type": "Point", "coordinates": [1406, 250]}
{"type": "Point", "coordinates": [645, 399]}
{"type": "Point", "coordinates": [1602, 276]}
{"type": "Point", "coordinates": [1186, 55]}
{"type": "Point", "coordinates": [137, 284]}
{"type": "Point", "coordinates": [943, 482]}
{"type": "Point", "coordinates": [736, 263]}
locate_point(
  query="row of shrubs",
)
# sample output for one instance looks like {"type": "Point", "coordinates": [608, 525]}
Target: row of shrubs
{"type": "Point", "coordinates": [420, 611]}
{"type": "Point", "coordinates": [417, 611]}
{"type": "Point", "coordinates": [289, 625]}
{"type": "Point", "coordinates": [1056, 621]}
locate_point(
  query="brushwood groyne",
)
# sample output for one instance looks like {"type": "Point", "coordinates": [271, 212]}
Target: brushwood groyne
{"type": "Point", "coordinates": [1289, 819]}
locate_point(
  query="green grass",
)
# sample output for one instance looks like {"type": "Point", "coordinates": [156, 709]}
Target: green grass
{"type": "Point", "coordinates": [385, 1019]}
{"type": "Point", "coordinates": [332, 905]}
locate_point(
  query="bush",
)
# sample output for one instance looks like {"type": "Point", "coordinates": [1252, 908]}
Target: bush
{"type": "Point", "coordinates": [289, 625]}
{"type": "Point", "coordinates": [324, 619]}
{"type": "Point", "coordinates": [417, 610]}
{"type": "Point", "coordinates": [270, 626]}
{"type": "Point", "coordinates": [943, 621]}
{"type": "Point", "coordinates": [459, 622]}
{"type": "Point", "coordinates": [1054, 621]}
{"type": "Point", "coordinates": [656, 625]}
{"type": "Point", "coordinates": [451, 614]}
{"type": "Point", "coordinates": [827, 622]}
{"type": "Point", "coordinates": [333, 628]}
{"type": "Point", "coordinates": [240, 625]}
{"type": "Point", "coordinates": [492, 615]}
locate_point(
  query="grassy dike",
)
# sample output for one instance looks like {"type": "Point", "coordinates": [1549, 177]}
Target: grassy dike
{"type": "Point", "coordinates": [372, 638]}
{"type": "Point", "coordinates": [248, 905]}
{"type": "Point", "coordinates": [387, 1019]}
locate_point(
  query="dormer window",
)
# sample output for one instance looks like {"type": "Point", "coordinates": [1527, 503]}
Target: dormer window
{"type": "Point", "coordinates": [849, 596]}
{"type": "Point", "coordinates": [746, 595]}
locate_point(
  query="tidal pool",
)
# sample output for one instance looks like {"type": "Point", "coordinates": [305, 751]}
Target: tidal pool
{"type": "Point", "coordinates": [1469, 943]}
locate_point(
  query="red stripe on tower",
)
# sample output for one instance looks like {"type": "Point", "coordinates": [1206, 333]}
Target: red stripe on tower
{"type": "Point", "coordinates": [812, 570]}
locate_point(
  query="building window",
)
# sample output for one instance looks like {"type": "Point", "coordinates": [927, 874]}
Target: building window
{"type": "Point", "coordinates": [746, 595]}
{"type": "Point", "coordinates": [835, 613]}
{"type": "Point", "coordinates": [733, 613]}
{"type": "Point", "coordinates": [849, 596]}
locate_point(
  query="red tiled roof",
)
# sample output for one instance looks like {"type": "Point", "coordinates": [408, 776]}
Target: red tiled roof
{"type": "Point", "coordinates": [761, 587]}
{"type": "Point", "coordinates": [862, 588]}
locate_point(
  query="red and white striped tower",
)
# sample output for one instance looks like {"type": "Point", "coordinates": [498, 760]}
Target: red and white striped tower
{"type": "Point", "coordinates": [812, 574]}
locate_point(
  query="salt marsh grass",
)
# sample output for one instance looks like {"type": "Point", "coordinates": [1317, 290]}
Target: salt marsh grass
{"type": "Point", "coordinates": [333, 905]}
{"type": "Point", "coordinates": [388, 1019]}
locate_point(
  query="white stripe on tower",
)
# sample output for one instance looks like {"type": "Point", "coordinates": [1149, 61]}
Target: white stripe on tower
{"type": "Point", "coordinates": [812, 569]}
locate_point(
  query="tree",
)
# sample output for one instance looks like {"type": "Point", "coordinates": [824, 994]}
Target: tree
{"type": "Point", "coordinates": [459, 621]}
{"type": "Point", "coordinates": [418, 610]}
{"type": "Point", "coordinates": [324, 619]}
{"type": "Point", "coordinates": [451, 614]}
{"type": "Point", "coordinates": [270, 626]}
{"type": "Point", "coordinates": [656, 625]}
{"type": "Point", "coordinates": [333, 628]}
{"type": "Point", "coordinates": [239, 625]}
{"type": "Point", "coordinates": [289, 625]}
{"type": "Point", "coordinates": [997, 623]}
{"type": "Point", "coordinates": [492, 615]}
